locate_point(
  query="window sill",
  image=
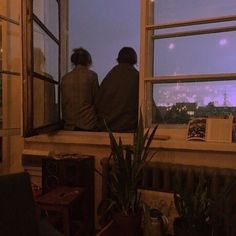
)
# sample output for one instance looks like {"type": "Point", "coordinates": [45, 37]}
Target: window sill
{"type": "Point", "coordinates": [102, 139]}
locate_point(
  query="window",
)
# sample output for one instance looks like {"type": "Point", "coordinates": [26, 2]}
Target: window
{"type": "Point", "coordinates": [42, 54]}
{"type": "Point", "coordinates": [187, 59]}
{"type": "Point", "coordinates": [105, 32]}
{"type": "Point", "coordinates": [10, 71]}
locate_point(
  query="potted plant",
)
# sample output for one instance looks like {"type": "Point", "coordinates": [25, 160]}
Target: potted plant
{"type": "Point", "coordinates": [127, 163]}
{"type": "Point", "coordinates": [194, 211]}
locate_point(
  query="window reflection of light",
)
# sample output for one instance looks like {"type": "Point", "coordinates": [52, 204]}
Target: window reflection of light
{"type": "Point", "coordinates": [223, 42]}
{"type": "Point", "coordinates": [171, 46]}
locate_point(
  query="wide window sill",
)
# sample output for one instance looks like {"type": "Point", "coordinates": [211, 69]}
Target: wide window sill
{"type": "Point", "coordinates": [102, 139]}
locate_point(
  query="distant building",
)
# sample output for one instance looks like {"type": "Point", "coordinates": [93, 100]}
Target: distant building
{"type": "Point", "coordinates": [189, 107]}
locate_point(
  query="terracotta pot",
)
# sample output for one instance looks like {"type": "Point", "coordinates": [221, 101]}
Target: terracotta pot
{"type": "Point", "coordinates": [127, 225]}
{"type": "Point", "coordinates": [182, 229]}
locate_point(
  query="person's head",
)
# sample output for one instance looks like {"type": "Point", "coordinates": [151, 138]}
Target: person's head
{"type": "Point", "coordinates": [81, 56]}
{"type": "Point", "coordinates": [127, 55]}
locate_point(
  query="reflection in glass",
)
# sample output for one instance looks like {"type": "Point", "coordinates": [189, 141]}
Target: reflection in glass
{"type": "Point", "coordinates": [11, 87]}
{"type": "Point", "coordinates": [182, 10]}
{"type": "Point", "coordinates": [10, 47]}
{"type": "Point", "coordinates": [47, 12]}
{"type": "Point", "coordinates": [45, 105]}
{"type": "Point", "coordinates": [11, 9]}
{"type": "Point", "coordinates": [201, 54]}
{"type": "Point", "coordinates": [177, 103]}
{"type": "Point", "coordinates": [46, 54]}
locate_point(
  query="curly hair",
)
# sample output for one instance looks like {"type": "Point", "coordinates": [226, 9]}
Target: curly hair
{"type": "Point", "coordinates": [81, 56]}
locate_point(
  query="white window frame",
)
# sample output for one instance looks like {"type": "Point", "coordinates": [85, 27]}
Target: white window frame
{"type": "Point", "coordinates": [148, 37]}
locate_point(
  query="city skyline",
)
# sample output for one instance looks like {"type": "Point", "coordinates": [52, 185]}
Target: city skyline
{"type": "Point", "coordinates": [221, 93]}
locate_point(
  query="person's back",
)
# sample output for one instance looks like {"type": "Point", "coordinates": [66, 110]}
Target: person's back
{"type": "Point", "coordinates": [78, 90]}
{"type": "Point", "coordinates": [117, 98]}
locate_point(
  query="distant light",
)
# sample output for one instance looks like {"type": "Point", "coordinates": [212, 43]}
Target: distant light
{"type": "Point", "coordinates": [171, 46]}
{"type": "Point", "coordinates": [152, 0]}
{"type": "Point", "coordinates": [223, 42]}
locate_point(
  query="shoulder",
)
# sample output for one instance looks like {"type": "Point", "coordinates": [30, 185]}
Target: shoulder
{"type": "Point", "coordinates": [92, 75]}
{"type": "Point", "coordinates": [67, 76]}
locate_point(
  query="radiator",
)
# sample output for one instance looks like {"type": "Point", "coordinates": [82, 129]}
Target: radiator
{"type": "Point", "coordinates": [161, 176]}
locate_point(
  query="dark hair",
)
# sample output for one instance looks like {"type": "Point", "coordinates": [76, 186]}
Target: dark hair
{"type": "Point", "coordinates": [127, 55]}
{"type": "Point", "coordinates": [81, 56]}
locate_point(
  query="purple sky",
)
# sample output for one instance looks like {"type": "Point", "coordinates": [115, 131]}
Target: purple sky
{"type": "Point", "coordinates": [104, 26]}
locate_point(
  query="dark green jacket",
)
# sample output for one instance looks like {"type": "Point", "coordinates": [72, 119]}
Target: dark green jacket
{"type": "Point", "coordinates": [117, 99]}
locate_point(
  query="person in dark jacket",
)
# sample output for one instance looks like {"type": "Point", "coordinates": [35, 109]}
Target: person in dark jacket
{"type": "Point", "coordinates": [78, 91]}
{"type": "Point", "coordinates": [117, 98]}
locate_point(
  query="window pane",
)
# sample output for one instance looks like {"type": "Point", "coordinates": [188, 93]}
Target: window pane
{"type": "Point", "coordinates": [11, 101]}
{"type": "Point", "coordinates": [45, 103]}
{"type": "Point", "coordinates": [201, 54]}
{"type": "Point", "coordinates": [178, 102]}
{"type": "Point", "coordinates": [46, 54]}
{"type": "Point", "coordinates": [182, 10]}
{"type": "Point", "coordinates": [10, 50]}
{"type": "Point", "coordinates": [47, 12]}
{"type": "Point", "coordinates": [10, 9]}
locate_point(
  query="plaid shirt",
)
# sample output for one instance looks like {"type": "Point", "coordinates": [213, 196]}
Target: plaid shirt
{"type": "Point", "coordinates": [78, 90]}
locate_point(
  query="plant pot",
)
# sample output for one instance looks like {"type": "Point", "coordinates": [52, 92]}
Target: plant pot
{"type": "Point", "coordinates": [183, 229]}
{"type": "Point", "coordinates": [127, 225]}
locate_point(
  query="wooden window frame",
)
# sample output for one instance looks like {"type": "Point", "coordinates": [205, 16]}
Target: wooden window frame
{"type": "Point", "coordinates": [28, 18]}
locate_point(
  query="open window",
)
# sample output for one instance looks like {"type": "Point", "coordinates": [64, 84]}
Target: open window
{"type": "Point", "coordinates": [42, 65]}
{"type": "Point", "coordinates": [187, 60]}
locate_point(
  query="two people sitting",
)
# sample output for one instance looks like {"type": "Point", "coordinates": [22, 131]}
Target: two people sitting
{"type": "Point", "coordinates": [86, 105]}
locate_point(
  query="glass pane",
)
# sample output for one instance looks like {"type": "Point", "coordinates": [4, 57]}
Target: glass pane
{"type": "Point", "coordinates": [11, 103]}
{"type": "Point", "coordinates": [45, 103]}
{"type": "Point", "coordinates": [47, 12]}
{"type": "Point", "coordinates": [11, 9]}
{"type": "Point", "coordinates": [46, 54]}
{"type": "Point", "coordinates": [10, 50]}
{"type": "Point", "coordinates": [182, 10]}
{"type": "Point", "coordinates": [177, 103]}
{"type": "Point", "coordinates": [201, 54]}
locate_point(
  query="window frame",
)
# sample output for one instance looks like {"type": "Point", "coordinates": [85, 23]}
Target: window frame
{"type": "Point", "coordinates": [5, 130]}
{"type": "Point", "coordinates": [148, 38]}
{"type": "Point", "coordinates": [28, 19]}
